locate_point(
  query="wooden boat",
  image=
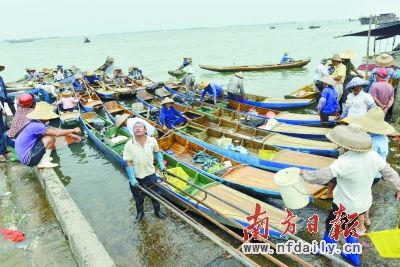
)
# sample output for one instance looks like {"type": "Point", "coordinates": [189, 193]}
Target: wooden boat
{"type": "Point", "coordinates": [113, 108]}
{"type": "Point", "coordinates": [88, 100]}
{"type": "Point", "coordinates": [258, 154]}
{"type": "Point", "coordinates": [271, 139]}
{"type": "Point", "coordinates": [314, 27]}
{"type": "Point", "coordinates": [101, 90]}
{"type": "Point", "coordinates": [294, 64]}
{"type": "Point", "coordinates": [241, 177]}
{"type": "Point", "coordinates": [285, 117]}
{"type": "Point", "coordinates": [276, 103]}
{"type": "Point", "coordinates": [306, 92]}
{"type": "Point", "coordinates": [114, 151]}
{"type": "Point", "coordinates": [177, 73]}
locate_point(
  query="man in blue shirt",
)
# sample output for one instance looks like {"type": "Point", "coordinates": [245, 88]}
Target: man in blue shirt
{"type": "Point", "coordinates": [212, 89]}
{"type": "Point", "coordinates": [4, 98]}
{"type": "Point", "coordinates": [286, 59]}
{"type": "Point", "coordinates": [328, 104]}
{"type": "Point", "coordinates": [169, 116]}
{"type": "Point", "coordinates": [91, 78]}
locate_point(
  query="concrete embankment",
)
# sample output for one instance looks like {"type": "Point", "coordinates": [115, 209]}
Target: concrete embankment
{"type": "Point", "coordinates": [84, 244]}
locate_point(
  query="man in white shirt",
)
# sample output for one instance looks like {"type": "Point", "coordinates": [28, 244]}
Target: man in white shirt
{"type": "Point", "coordinates": [358, 102]}
{"type": "Point", "coordinates": [320, 71]}
{"type": "Point", "coordinates": [355, 171]}
{"type": "Point", "coordinates": [138, 154]}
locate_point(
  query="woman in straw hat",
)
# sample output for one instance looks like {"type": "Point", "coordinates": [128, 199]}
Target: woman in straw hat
{"type": "Point", "coordinates": [139, 155]}
{"type": "Point", "coordinates": [235, 88]}
{"type": "Point", "coordinates": [36, 139]}
{"type": "Point", "coordinates": [338, 74]}
{"type": "Point", "coordinates": [386, 61]}
{"type": "Point", "coordinates": [373, 123]}
{"type": "Point", "coordinates": [169, 116]}
{"type": "Point", "coordinates": [355, 171]}
{"type": "Point", "coordinates": [67, 102]}
{"type": "Point", "coordinates": [383, 92]}
{"type": "Point", "coordinates": [358, 102]}
{"type": "Point", "coordinates": [214, 90]}
{"type": "Point", "coordinates": [328, 104]}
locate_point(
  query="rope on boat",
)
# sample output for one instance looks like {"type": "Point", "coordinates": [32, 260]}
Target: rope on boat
{"type": "Point", "coordinates": [273, 226]}
{"type": "Point", "coordinates": [213, 237]}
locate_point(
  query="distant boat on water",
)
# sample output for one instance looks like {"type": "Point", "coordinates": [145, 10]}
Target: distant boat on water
{"type": "Point", "coordinates": [300, 28]}
{"type": "Point", "coordinates": [20, 41]}
{"type": "Point", "coordinates": [86, 40]}
{"type": "Point", "coordinates": [314, 27]}
{"type": "Point", "coordinates": [379, 19]}
{"type": "Point", "coordinates": [272, 27]}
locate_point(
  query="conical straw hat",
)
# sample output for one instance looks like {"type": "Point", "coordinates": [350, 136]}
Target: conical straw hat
{"type": "Point", "coordinates": [348, 54]}
{"type": "Point", "coordinates": [350, 137]}
{"type": "Point", "coordinates": [43, 112]}
{"type": "Point", "coordinates": [167, 100]}
{"type": "Point", "coordinates": [384, 60]}
{"type": "Point", "coordinates": [372, 122]}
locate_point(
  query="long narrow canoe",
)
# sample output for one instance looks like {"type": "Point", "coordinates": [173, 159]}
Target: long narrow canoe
{"type": "Point", "coordinates": [285, 117]}
{"type": "Point", "coordinates": [113, 108]}
{"type": "Point", "coordinates": [114, 150]}
{"type": "Point", "coordinates": [239, 176]}
{"type": "Point", "coordinates": [254, 153]}
{"type": "Point", "coordinates": [308, 91]}
{"type": "Point", "coordinates": [294, 64]}
{"type": "Point", "coordinates": [271, 139]}
{"type": "Point", "coordinates": [101, 90]}
{"type": "Point", "coordinates": [275, 103]}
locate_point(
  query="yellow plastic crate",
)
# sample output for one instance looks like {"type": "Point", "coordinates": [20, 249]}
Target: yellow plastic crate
{"type": "Point", "coordinates": [178, 171]}
{"type": "Point", "coordinates": [266, 154]}
{"type": "Point", "coordinates": [386, 242]}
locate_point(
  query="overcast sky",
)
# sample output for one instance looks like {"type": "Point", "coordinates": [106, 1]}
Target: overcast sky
{"type": "Point", "coordinates": [44, 18]}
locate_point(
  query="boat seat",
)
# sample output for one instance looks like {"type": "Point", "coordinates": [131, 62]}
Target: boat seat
{"type": "Point", "coordinates": [115, 109]}
{"type": "Point", "coordinates": [120, 139]}
{"type": "Point", "coordinates": [139, 107]}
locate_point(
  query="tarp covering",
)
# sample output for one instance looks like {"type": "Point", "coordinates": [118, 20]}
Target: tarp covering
{"type": "Point", "coordinates": [383, 31]}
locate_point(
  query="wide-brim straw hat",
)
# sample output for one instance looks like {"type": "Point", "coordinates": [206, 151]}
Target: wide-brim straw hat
{"type": "Point", "coordinates": [355, 82]}
{"type": "Point", "coordinates": [351, 138]}
{"type": "Point", "coordinates": [240, 75]}
{"type": "Point", "coordinates": [46, 70]}
{"type": "Point", "coordinates": [347, 54]}
{"type": "Point", "coordinates": [336, 57]}
{"type": "Point", "coordinates": [57, 84]}
{"type": "Point", "coordinates": [372, 122]}
{"type": "Point", "coordinates": [67, 93]}
{"type": "Point", "coordinates": [203, 84]}
{"type": "Point", "coordinates": [384, 60]}
{"type": "Point", "coordinates": [131, 68]}
{"type": "Point", "coordinates": [167, 100]}
{"type": "Point", "coordinates": [120, 119]}
{"type": "Point", "coordinates": [328, 80]}
{"type": "Point", "coordinates": [43, 112]}
{"type": "Point", "coordinates": [89, 73]}
{"type": "Point", "coordinates": [2, 67]}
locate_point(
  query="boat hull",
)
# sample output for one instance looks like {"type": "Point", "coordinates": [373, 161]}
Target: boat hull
{"type": "Point", "coordinates": [295, 64]}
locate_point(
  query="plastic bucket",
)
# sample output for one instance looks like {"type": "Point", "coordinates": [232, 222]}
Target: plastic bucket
{"type": "Point", "coordinates": [292, 188]}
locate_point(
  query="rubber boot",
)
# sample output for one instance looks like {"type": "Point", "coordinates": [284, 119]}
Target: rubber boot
{"type": "Point", "coordinates": [328, 240]}
{"type": "Point", "coordinates": [157, 210]}
{"type": "Point", "coordinates": [355, 259]}
{"type": "Point", "coordinates": [139, 213]}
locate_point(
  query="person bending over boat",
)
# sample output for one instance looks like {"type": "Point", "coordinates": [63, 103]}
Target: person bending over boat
{"type": "Point", "coordinates": [358, 102]}
{"type": "Point", "coordinates": [36, 140]}
{"type": "Point", "coordinates": [135, 73]}
{"type": "Point", "coordinates": [91, 78]}
{"type": "Point", "coordinates": [235, 87]}
{"type": "Point", "coordinates": [338, 74]}
{"type": "Point", "coordinates": [286, 59]}
{"type": "Point", "coordinates": [67, 102]}
{"type": "Point", "coordinates": [169, 116]}
{"type": "Point", "coordinates": [119, 78]}
{"type": "Point", "coordinates": [189, 79]}
{"type": "Point", "coordinates": [139, 155]}
{"type": "Point", "coordinates": [187, 61]}
{"type": "Point", "coordinates": [214, 90]}
{"type": "Point", "coordinates": [355, 171]}
{"type": "Point", "coordinates": [328, 104]}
